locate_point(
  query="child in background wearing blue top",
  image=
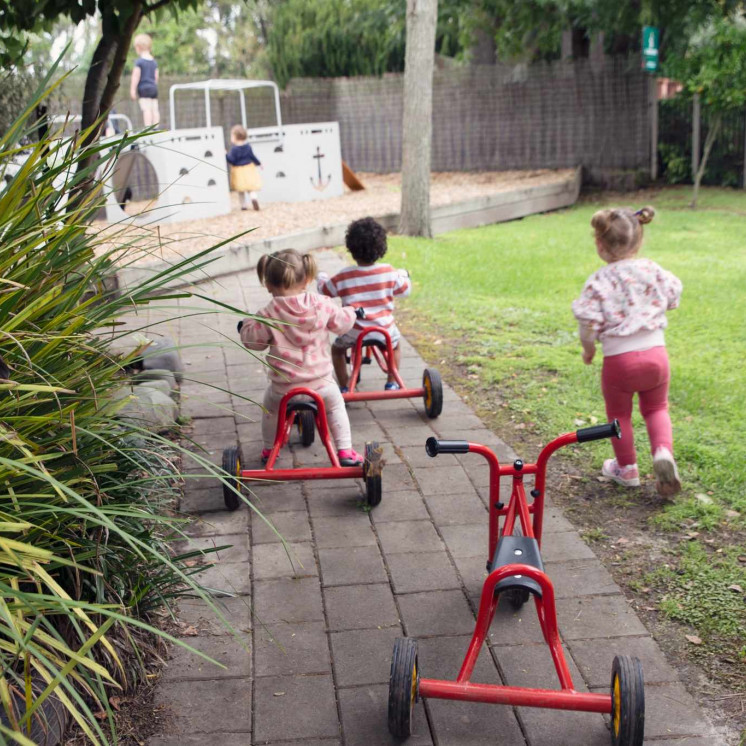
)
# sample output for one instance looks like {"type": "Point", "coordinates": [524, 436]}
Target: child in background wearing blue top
{"type": "Point", "coordinates": [144, 83]}
{"type": "Point", "coordinates": [245, 179]}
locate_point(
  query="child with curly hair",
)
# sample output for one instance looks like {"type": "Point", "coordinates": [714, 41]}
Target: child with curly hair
{"type": "Point", "coordinates": [624, 305]}
{"type": "Point", "coordinates": [298, 342]}
{"type": "Point", "coordinates": [370, 285]}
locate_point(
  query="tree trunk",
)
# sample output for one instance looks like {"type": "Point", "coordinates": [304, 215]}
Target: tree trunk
{"type": "Point", "coordinates": [712, 134]}
{"type": "Point", "coordinates": [101, 86]}
{"type": "Point", "coordinates": [419, 60]}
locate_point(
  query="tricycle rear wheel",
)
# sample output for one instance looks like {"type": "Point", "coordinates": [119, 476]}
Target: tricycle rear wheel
{"type": "Point", "coordinates": [627, 702]}
{"type": "Point", "coordinates": [433, 396]}
{"type": "Point", "coordinates": [232, 469]}
{"type": "Point", "coordinates": [372, 474]}
{"type": "Point", "coordinates": [403, 683]}
{"type": "Point", "coordinates": [306, 423]}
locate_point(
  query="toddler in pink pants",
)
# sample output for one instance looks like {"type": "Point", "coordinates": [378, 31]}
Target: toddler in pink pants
{"type": "Point", "coordinates": [624, 305]}
{"type": "Point", "coordinates": [297, 336]}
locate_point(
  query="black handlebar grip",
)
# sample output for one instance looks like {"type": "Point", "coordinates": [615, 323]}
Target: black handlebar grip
{"type": "Point", "coordinates": [360, 312]}
{"type": "Point", "coordinates": [433, 446]}
{"type": "Point", "coordinates": [240, 324]}
{"type": "Point", "coordinates": [599, 432]}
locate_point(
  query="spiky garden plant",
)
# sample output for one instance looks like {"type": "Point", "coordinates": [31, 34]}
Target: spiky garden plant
{"type": "Point", "coordinates": [84, 555]}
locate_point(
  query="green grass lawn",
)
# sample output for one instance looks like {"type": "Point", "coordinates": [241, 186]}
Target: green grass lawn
{"type": "Point", "coordinates": [498, 299]}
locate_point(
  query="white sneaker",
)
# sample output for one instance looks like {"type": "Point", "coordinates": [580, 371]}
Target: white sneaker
{"type": "Point", "coordinates": [667, 480]}
{"type": "Point", "coordinates": [628, 476]}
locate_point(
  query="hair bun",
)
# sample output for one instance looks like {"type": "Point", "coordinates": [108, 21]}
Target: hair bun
{"type": "Point", "coordinates": [601, 221]}
{"type": "Point", "coordinates": [645, 215]}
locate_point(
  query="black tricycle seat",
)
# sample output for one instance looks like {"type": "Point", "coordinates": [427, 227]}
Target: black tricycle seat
{"type": "Point", "coordinates": [512, 550]}
{"type": "Point", "coordinates": [302, 406]}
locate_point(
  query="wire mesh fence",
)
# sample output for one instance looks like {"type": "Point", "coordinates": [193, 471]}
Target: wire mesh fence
{"type": "Point", "coordinates": [492, 117]}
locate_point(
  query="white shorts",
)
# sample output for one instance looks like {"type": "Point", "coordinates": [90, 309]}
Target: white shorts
{"type": "Point", "coordinates": [349, 339]}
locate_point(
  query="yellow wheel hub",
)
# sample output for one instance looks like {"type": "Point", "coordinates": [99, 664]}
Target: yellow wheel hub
{"type": "Point", "coordinates": [428, 391]}
{"type": "Point", "coordinates": [617, 705]}
{"type": "Point", "coordinates": [414, 685]}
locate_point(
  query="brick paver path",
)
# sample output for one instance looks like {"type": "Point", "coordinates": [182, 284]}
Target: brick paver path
{"type": "Point", "coordinates": [318, 632]}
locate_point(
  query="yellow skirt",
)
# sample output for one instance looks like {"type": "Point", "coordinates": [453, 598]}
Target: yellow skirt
{"type": "Point", "coordinates": [246, 178]}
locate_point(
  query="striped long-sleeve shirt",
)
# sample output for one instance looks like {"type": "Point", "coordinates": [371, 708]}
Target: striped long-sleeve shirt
{"type": "Point", "coordinates": [372, 288]}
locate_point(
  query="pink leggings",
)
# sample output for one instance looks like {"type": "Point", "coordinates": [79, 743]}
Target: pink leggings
{"type": "Point", "coordinates": [645, 373]}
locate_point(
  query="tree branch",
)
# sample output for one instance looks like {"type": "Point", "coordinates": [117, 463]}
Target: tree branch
{"type": "Point", "coordinates": [155, 6]}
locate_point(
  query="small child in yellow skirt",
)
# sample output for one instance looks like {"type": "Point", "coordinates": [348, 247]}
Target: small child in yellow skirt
{"type": "Point", "coordinates": [245, 178]}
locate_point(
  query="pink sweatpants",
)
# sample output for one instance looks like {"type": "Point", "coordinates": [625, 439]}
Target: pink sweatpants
{"type": "Point", "coordinates": [647, 374]}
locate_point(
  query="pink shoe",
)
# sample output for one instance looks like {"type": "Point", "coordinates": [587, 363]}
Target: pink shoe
{"type": "Point", "coordinates": [628, 476]}
{"type": "Point", "coordinates": [350, 457]}
{"type": "Point", "coordinates": [667, 480]}
{"type": "Point", "coordinates": [265, 454]}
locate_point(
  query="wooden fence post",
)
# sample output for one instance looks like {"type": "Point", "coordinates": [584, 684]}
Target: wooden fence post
{"type": "Point", "coordinates": [696, 129]}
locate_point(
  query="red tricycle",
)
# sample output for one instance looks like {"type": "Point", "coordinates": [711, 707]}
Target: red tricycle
{"type": "Point", "coordinates": [382, 351]}
{"type": "Point", "coordinates": [304, 413]}
{"type": "Point", "coordinates": [515, 568]}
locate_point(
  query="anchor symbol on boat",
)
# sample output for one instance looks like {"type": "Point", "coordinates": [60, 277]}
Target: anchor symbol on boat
{"type": "Point", "coordinates": [321, 184]}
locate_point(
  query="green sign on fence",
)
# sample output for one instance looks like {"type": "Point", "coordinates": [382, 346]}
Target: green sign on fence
{"type": "Point", "coordinates": [650, 38]}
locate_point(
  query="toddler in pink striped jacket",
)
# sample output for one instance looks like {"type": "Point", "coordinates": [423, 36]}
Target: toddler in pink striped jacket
{"type": "Point", "coordinates": [366, 284]}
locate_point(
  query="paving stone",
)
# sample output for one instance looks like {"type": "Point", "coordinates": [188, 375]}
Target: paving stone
{"type": "Point", "coordinates": [343, 531]}
{"type": "Point", "coordinates": [364, 712]}
{"type": "Point", "coordinates": [409, 536]}
{"type": "Point", "coordinates": [515, 627]}
{"type": "Point", "coordinates": [196, 613]}
{"type": "Point", "coordinates": [473, 724]}
{"type": "Point", "coordinates": [288, 599]}
{"type": "Point", "coordinates": [347, 499]}
{"type": "Point", "coordinates": [218, 549]}
{"type": "Point", "coordinates": [278, 497]}
{"type": "Point", "coordinates": [351, 566]}
{"type": "Point", "coordinates": [226, 739]}
{"type": "Point", "coordinates": [291, 707]}
{"type": "Point", "coordinates": [216, 427]}
{"type": "Point", "coordinates": [363, 656]}
{"type": "Point", "coordinates": [580, 578]}
{"type": "Point", "coordinates": [205, 500]}
{"type": "Point", "coordinates": [555, 521]}
{"type": "Point", "coordinates": [416, 456]}
{"type": "Point", "coordinates": [457, 510]}
{"type": "Point", "coordinates": [449, 423]}
{"type": "Point", "coordinates": [361, 607]}
{"type": "Point", "coordinates": [436, 613]}
{"type": "Point", "coordinates": [404, 505]}
{"type": "Point", "coordinates": [230, 577]}
{"type": "Point", "coordinates": [594, 658]}
{"type": "Point", "coordinates": [564, 727]}
{"type": "Point", "coordinates": [397, 477]}
{"type": "Point", "coordinates": [218, 524]}
{"type": "Point", "coordinates": [565, 546]}
{"type": "Point", "coordinates": [532, 666]}
{"type": "Point", "coordinates": [426, 571]}
{"type": "Point", "coordinates": [446, 480]}
{"type": "Point", "coordinates": [198, 706]}
{"type": "Point", "coordinates": [441, 658]}
{"type": "Point", "coordinates": [291, 649]}
{"type": "Point", "coordinates": [597, 616]}
{"type": "Point", "coordinates": [473, 574]}
{"type": "Point", "coordinates": [467, 541]}
{"type": "Point", "coordinates": [414, 435]}
{"type": "Point", "coordinates": [275, 561]}
{"type": "Point", "coordinates": [291, 526]}
{"type": "Point", "coordinates": [226, 649]}
{"type": "Point", "coordinates": [671, 711]}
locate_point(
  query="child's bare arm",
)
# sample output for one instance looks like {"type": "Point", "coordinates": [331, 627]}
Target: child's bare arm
{"type": "Point", "coordinates": [403, 285]}
{"type": "Point", "coordinates": [133, 82]}
{"type": "Point", "coordinates": [588, 341]}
